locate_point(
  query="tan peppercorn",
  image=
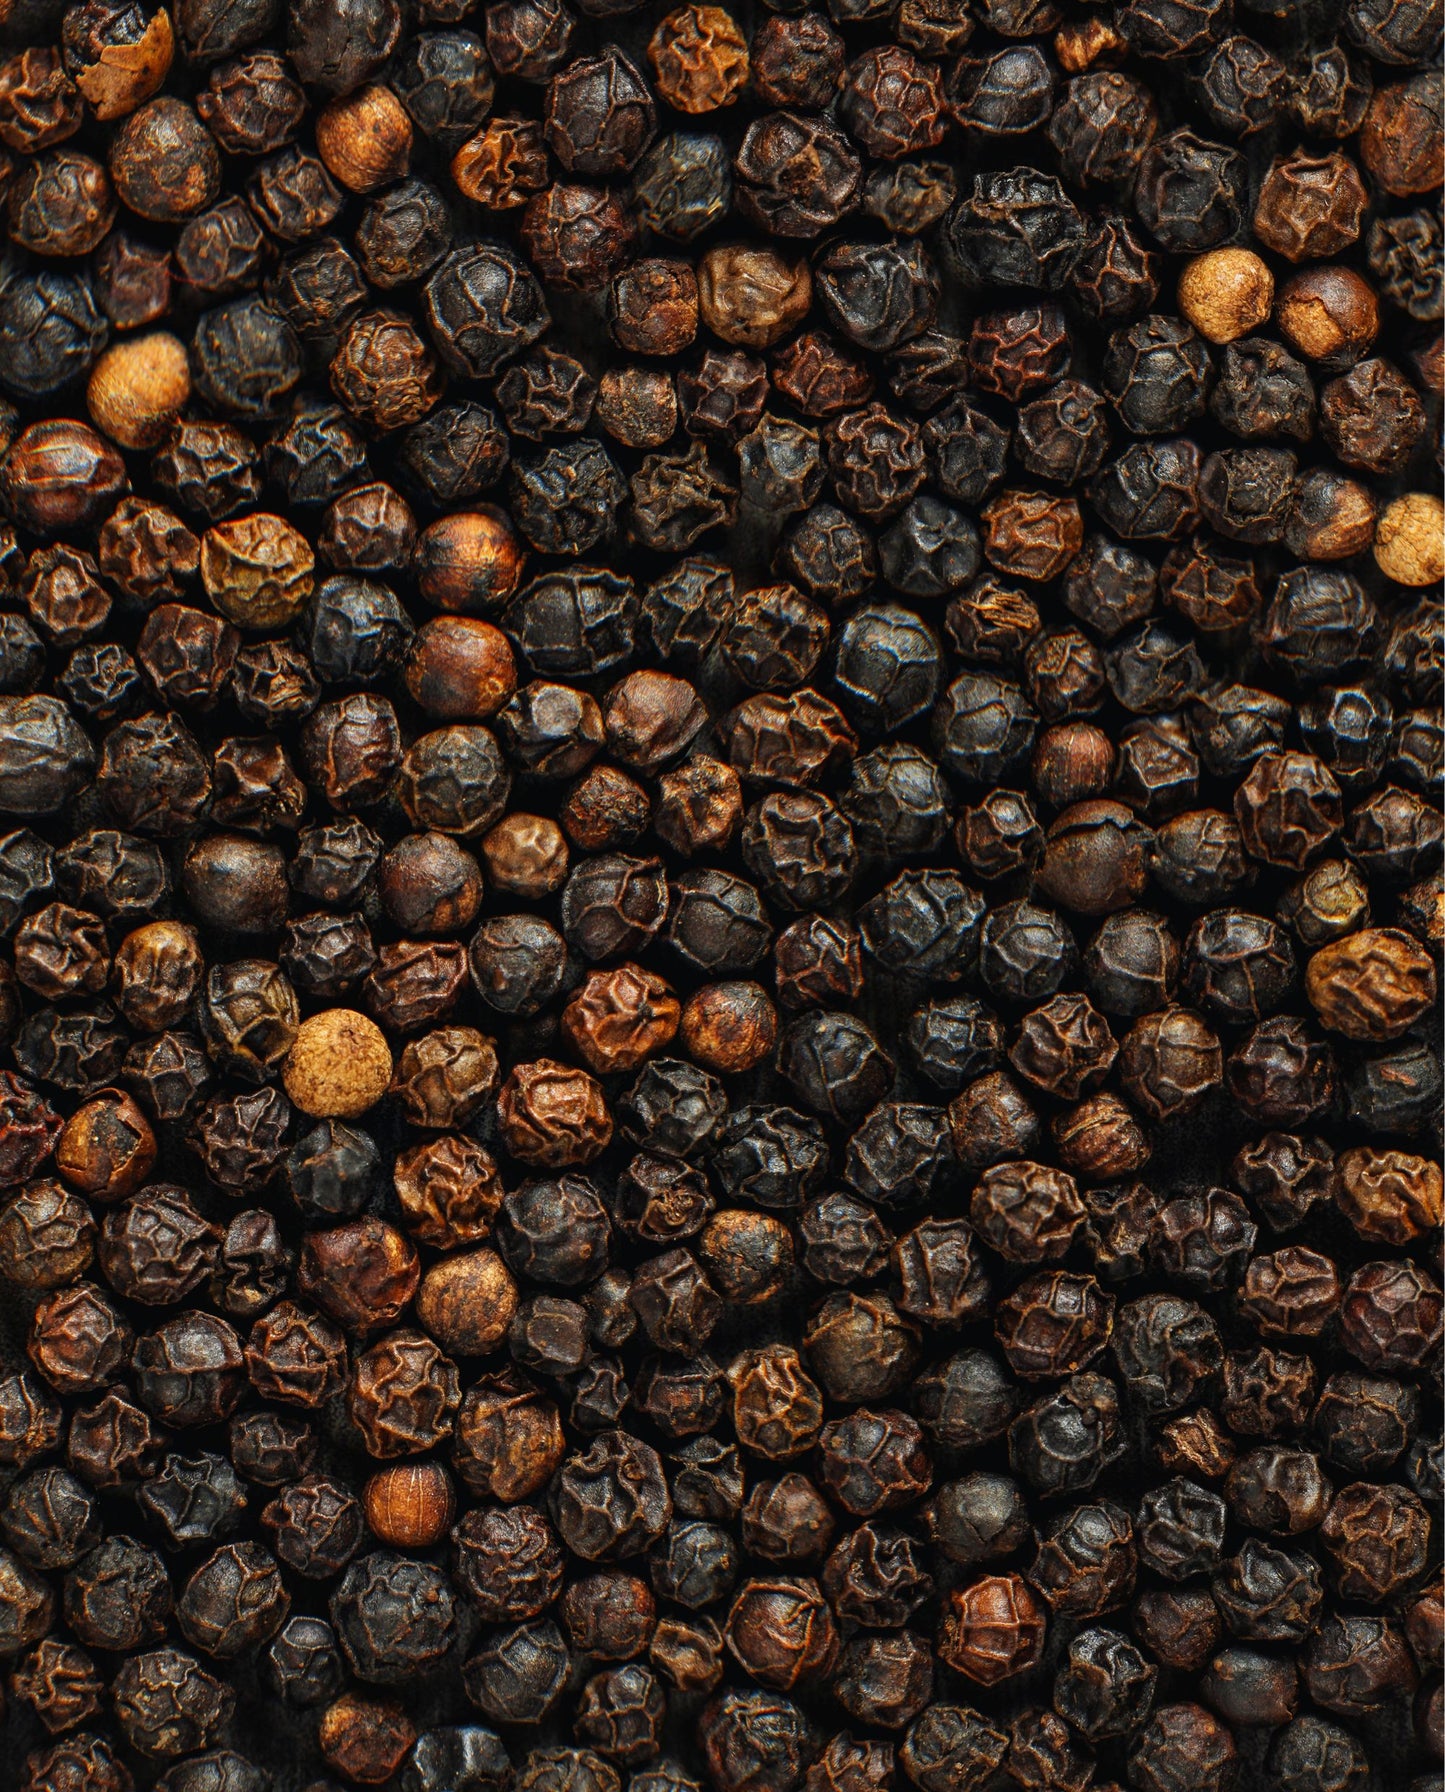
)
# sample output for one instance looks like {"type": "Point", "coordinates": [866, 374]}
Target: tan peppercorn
{"type": "Point", "coordinates": [1410, 540]}
{"type": "Point", "coordinates": [460, 669]}
{"type": "Point", "coordinates": [730, 1027]}
{"type": "Point", "coordinates": [1389, 1196]}
{"type": "Point", "coordinates": [1196, 1444]}
{"type": "Point", "coordinates": [619, 1017]}
{"type": "Point", "coordinates": [700, 58]}
{"type": "Point", "coordinates": [258, 571]}
{"type": "Point", "coordinates": [339, 1065]}
{"type": "Point", "coordinates": [1226, 294]}
{"type": "Point", "coordinates": [383, 372]}
{"type": "Point", "coordinates": [467, 1303]}
{"type": "Point", "coordinates": [526, 856]}
{"type": "Point", "coordinates": [752, 296]}
{"type": "Point", "coordinates": [1371, 985]}
{"type": "Point", "coordinates": [651, 717]}
{"type": "Point", "coordinates": [364, 138]}
{"type": "Point", "coordinates": [1329, 314]}
{"type": "Point", "coordinates": [410, 1505]}
{"type": "Point", "coordinates": [125, 75]}
{"type": "Point", "coordinates": [553, 1115]}
{"type": "Point", "coordinates": [107, 1148]}
{"type": "Point", "coordinates": [138, 388]}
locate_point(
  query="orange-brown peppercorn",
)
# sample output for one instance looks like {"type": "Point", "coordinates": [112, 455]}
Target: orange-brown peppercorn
{"type": "Point", "coordinates": [364, 138]}
{"type": "Point", "coordinates": [553, 1115]}
{"type": "Point", "coordinates": [410, 1505]}
{"type": "Point", "coordinates": [730, 1027]}
{"type": "Point", "coordinates": [992, 1630]}
{"type": "Point", "coordinates": [467, 1303]}
{"type": "Point", "coordinates": [460, 669]}
{"type": "Point", "coordinates": [106, 1148]}
{"type": "Point", "coordinates": [619, 1017]}
{"type": "Point", "coordinates": [138, 388]}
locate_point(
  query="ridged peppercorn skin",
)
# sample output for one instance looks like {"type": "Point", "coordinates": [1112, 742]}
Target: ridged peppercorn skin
{"type": "Point", "coordinates": [720, 896]}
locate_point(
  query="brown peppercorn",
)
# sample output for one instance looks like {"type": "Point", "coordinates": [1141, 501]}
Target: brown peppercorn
{"type": "Point", "coordinates": [106, 1148]}
{"type": "Point", "coordinates": [1310, 206]}
{"type": "Point", "coordinates": [467, 1303]}
{"type": "Point", "coordinates": [504, 165]}
{"type": "Point", "coordinates": [1388, 1196]}
{"type": "Point", "coordinates": [1400, 139]}
{"type": "Point", "coordinates": [552, 1115]}
{"type": "Point", "coordinates": [700, 58]}
{"type": "Point", "coordinates": [1329, 314]}
{"type": "Point", "coordinates": [59, 477]}
{"type": "Point", "coordinates": [138, 388]}
{"type": "Point", "coordinates": [1226, 294]}
{"type": "Point", "coordinates": [619, 1017]}
{"type": "Point", "coordinates": [652, 306]}
{"type": "Point", "coordinates": [992, 1630]}
{"type": "Point", "coordinates": [729, 1027]}
{"type": "Point", "coordinates": [365, 1737]}
{"type": "Point", "coordinates": [1095, 858]}
{"type": "Point", "coordinates": [469, 562]}
{"type": "Point", "coordinates": [1371, 985]}
{"type": "Point", "coordinates": [258, 570]}
{"type": "Point", "coordinates": [752, 296]}
{"type": "Point", "coordinates": [460, 669]}
{"type": "Point", "coordinates": [164, 162]}
{"type": "Point", "coordinates": [699, 806]}
{"type": "Point", "coordinates": [526, 856]}
{"type": "Point", "coordinates": [364, 1273]}
{"type": "Point", "coordinates": [411, 1505]}
{"type": "Point", "coordinates": [116, 57]}
{"type": "Point", "coordinates": [364, 138]}
{"type": "Point", "coordinates": [604, 810]}
{"type": "Point", "coordinates": [339, 1065]}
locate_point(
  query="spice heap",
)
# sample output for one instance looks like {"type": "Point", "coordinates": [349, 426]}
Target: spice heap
{"type": "Point", "coordinates": [720, 770]}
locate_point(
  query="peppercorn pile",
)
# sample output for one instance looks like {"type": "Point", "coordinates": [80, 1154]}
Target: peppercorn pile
{"type": "Point", "coordinates": [720, 871]}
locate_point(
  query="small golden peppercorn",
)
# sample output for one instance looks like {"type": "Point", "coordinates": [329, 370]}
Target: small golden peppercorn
{"type": "Point", "coordinates": [1410, 540]}
{"type": "Point", "coordinates": [619, 1017]}
{"type": "Point", "coordinates": [700, 58]}
{"type": "Point", "coordinates": [339, 1065]}
{"type": "Point", "coordinates": [138, 388]}
{"type": "Point", "coordinates": [107, 1148]}
{"type": "Point", "coordinates": [1226, 294]}
{"type": "Point", "coordinates": [364, 138]}
{"type": "Point", "coordinates": [467, 1302]}
{"type": "Point", "coordinates": [526, 855]}
{"type": "Point", "coordinates": [258, 571]}
{"type": "Point", "coordinates": [156, 973]}
{"type": "Point", "coordinates": [410, 1505]}
{"type": "Point", "coordinates": [730, 1027]}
